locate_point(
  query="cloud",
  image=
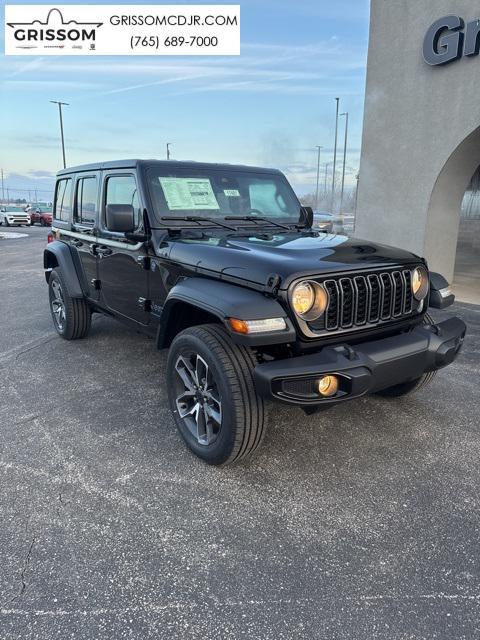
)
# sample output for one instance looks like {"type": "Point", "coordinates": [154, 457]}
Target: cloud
{"type": "Point", "coordinates": [41, 174]}
{"type": "Point", "coordinates": [38, 85]}
{"type": "Point", "coordinates": [318, 68]}
{"type": "Point", "coordinates": [36, 63]}
{"type": "Point", "coordinates": [20, 184]}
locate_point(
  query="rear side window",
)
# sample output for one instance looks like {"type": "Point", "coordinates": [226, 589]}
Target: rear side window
{"type": "Point", "coordinates": [63, 200]}
{"type": "Point", "coordinates": [123, 190]}
{"type": "Point", "coordinates": [86, 201]}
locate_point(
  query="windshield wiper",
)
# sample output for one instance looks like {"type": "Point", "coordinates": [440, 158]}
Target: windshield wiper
{"type": "Point", "coordinates": [259, 219]}
{"type": "Point", "coordinates": [199, 219]}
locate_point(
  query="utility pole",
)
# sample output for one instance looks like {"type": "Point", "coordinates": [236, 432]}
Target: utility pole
{"type": "Point", "coordinates": [168, 150]}
{"type": "Point", "coordinates": [344, 158]}
{"type": "Point", "coordinates": [60, 105]}
{"type": "Point", "coordinates": [3, 190]}
{"type": "Point", "coordinates": [335, 153]}
{"type": "Point", "coordinates": [318, 174]}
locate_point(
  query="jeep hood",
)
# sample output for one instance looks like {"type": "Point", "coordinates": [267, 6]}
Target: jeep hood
{"type": "Point", "coordinates": [254, 257]}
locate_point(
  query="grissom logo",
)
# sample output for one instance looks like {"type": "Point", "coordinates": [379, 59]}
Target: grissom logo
{"type": "Point", "coordinates": [54, 33]}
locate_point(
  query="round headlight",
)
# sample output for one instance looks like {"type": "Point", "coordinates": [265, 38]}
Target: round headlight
{"type": "Point", "coordinates": [303, 298]}
{"type": "Point", "coordinates": [309, 300]}
{"type": "Point", "coordinates": [420, 284]}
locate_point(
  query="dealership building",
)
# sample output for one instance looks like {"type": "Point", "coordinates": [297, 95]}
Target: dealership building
{"type": "Point", "coordinates": [419, 181]}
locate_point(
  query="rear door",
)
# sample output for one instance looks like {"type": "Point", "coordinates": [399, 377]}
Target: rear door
{"type": "Point", "coordinates": [121, 266]}
{"type": "Point", "coordinates": [85, 221]}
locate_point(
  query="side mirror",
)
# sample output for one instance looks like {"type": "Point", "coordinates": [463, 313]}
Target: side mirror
{"type": "Point", "coordinates": [441, 295]}
{"type": "Point", "coordinates": [120, 218]}
{"type": "Point", "coordinates": [307, 213]}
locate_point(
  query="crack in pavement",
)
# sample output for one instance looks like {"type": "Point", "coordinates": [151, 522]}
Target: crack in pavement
{"type": "Point", "coordinates": [23, 571]}
{"type": "Point", "coordinates": [25, 348]}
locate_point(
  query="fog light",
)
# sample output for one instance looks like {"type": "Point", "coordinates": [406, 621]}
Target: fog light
{"type": "Point", "coordinates": [328, 386]}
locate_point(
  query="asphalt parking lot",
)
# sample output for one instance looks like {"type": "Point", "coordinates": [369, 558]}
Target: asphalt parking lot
{"type": "Point", "coordinates": [360, 523]}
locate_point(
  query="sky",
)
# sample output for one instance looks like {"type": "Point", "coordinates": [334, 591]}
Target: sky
{"type": "Point", "coordinates": [270, 106]}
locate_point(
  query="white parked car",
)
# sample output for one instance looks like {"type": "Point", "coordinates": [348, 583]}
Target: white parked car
{"type": "Point", "coordinates": [10, 216]}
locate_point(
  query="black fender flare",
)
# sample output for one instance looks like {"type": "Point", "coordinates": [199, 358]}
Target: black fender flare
{"type": "Point", "coordinates": [58, 253]}
{"type": "Point", "coordinates": [224, 300]}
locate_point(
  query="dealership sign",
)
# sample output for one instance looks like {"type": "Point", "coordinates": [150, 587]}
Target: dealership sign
{"type": "Point", "coordinates": [448, 39]}
{"type": "Point", "coordinates": [95, 29]}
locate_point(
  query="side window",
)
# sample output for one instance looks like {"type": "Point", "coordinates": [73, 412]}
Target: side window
{"type": "Point", "coordinates": [86, 201]}
{"type": "Point", "coordinates": [123, 190]}
{"type": "Point", "coordinates": [63, 200]}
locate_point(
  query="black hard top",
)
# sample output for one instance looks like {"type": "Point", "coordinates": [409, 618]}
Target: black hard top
{"type": "Point", "coordinates": [171, 164]}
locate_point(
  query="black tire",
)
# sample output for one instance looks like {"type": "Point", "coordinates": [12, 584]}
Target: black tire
{"type": "Point", "coordinates": [43, 223]}
{"type": "Point", "coordinates": [411, 386]}
{"type": "Point", "coordinates": [7, 224]}
{"type": "Point", "coordinates": [228, 378]}
{"type": "Point", "coordinates": [75, 321]}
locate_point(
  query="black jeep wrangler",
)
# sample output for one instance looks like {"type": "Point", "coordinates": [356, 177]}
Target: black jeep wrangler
{"type": "Point", "coordinates": [220, 264]}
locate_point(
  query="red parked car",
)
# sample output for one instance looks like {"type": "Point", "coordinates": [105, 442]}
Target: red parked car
{"type": "Point", "coordinates": [41, 216]}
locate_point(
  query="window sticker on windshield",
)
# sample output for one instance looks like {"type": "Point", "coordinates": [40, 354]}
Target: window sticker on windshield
{"type": "Point", "coordinates": [188, 193]}
{"type": "Point", "coordinates": [232, 193]}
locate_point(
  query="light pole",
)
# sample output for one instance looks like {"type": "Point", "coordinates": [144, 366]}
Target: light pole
{"type": "Point", "coordinates": [344, 158]}
{"type": "Point", "coordinates": [168, 150]}
{"type": "Point", "coordinates": [60, 105]}
{"type": "Point", "coordinates": [318, 174]}
{"type": "Point", "coordinates": [335, 153]}
{"type": "Point", "coordinates": [326, 177]}
{"type": "Point", "coordinates": [3, 190]}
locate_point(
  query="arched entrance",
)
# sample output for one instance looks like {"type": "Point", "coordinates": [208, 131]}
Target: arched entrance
{"type": "Point", "coordinates": [466, 278]}
{"type": "Point", "coordinates": [443, 227]}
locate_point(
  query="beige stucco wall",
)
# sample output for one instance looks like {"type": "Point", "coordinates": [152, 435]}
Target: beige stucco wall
{"type": "Point", "coordinates": [421, 142]}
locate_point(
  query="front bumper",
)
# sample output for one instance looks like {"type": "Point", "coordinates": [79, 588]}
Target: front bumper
{"type": "Point", "coordinates": [363, 368]}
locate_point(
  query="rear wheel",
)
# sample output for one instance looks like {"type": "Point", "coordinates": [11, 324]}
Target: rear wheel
{"type": "Point", "coordinates": [411, 386]}
{"type": "Point", "coordinates": [212, 395]}
{"type": "Point", "coordinates": [71, 316]}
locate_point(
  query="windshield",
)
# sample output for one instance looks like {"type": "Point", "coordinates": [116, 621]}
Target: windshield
{"type": "Point", "coordinates": [217, 193]}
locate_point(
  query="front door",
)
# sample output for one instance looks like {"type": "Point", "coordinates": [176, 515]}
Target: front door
{"type": "Point", "coordinates": [121, 268]}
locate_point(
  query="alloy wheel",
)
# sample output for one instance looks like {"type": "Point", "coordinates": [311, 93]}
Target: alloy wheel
{"type": "Point", "coordinates": [58, 305]}
{"type": "Point", "coordinates": [198, 399]}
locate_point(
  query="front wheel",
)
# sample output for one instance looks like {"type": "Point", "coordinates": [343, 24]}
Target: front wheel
{"type": "Point", "coordinates": [7, 223]}
{"type": "Point", "coordinates": [212, 395]}
{"type": "Point", "coordinates": [71, 316]}
{"type": "Point", "coordinates": [405, 388]}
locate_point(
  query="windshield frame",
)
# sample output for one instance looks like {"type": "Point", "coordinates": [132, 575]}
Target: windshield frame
{"type": "Point", "coordinates": [155, 171]}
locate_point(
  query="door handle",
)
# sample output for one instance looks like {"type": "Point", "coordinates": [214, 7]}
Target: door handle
{"type": "Point", "coordinates": [102, 251]}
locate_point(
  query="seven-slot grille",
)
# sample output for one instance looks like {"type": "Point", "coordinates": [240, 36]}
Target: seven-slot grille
{"type": "Point", "coordinates": [358, 300]}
